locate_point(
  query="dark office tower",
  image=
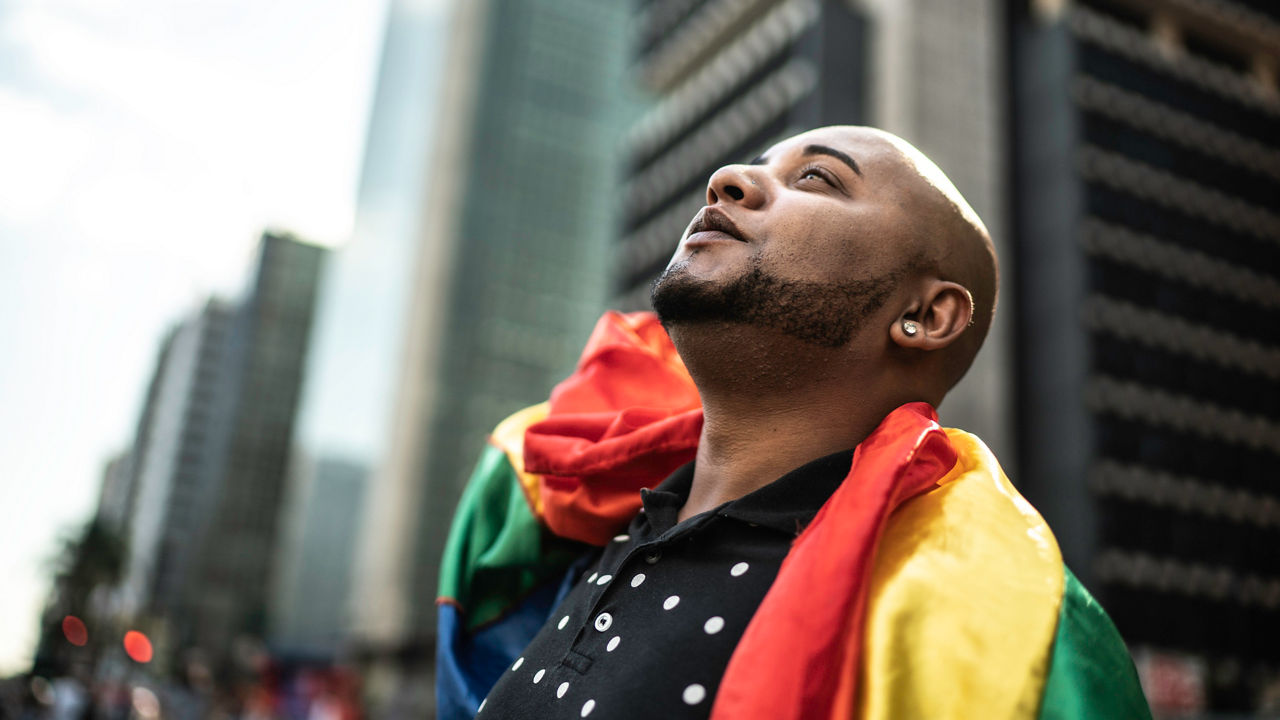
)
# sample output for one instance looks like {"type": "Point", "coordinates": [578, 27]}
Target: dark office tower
{"type": "Point", "coordinates": [509, 252]}
{"type": "Point", "coordinates": [1147, 174]}
{"type": "Point", "coordinates": [726, 79]}
{"type": "Point", "coordinates": [223, 590]}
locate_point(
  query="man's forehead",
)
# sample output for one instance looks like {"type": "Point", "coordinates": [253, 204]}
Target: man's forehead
{"type": "Point", "coordinates": [859, 142]}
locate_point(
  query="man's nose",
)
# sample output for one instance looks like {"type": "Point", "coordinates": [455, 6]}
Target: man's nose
{"type": "Point", "coordinates": [735, 184]}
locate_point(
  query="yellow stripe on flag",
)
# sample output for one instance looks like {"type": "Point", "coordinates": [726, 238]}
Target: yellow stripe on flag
{"type": "Point", "coordinates": [509, 438]}
{"type": "Point", "coordinates": [964, 600]}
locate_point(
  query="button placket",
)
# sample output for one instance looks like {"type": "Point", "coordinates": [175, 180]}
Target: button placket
{"type": "Point", "coordinates": [598, 589]}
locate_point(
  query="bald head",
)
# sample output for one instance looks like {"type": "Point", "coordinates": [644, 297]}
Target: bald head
{"type": "Point", "coordinates": [953, 242]}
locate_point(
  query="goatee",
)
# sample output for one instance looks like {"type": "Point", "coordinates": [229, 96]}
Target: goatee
{"type": "Point", "coordinates": [824, 314]}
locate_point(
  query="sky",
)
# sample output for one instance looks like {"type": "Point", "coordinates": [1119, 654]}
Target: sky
{"type": "Point", "coordinates": [144, 146]}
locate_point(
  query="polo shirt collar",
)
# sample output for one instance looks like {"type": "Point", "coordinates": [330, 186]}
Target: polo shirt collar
{"type": "Point", "coordinates": [787, 504]}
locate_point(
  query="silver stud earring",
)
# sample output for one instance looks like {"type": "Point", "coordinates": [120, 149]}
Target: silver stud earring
{"type": "Point", "coordinates": [910, 328]}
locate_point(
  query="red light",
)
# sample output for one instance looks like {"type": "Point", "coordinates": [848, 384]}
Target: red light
{"type": "Point", "coordinates": [137, 646]}
{"type": "Point", "coordinates": [73, 627]}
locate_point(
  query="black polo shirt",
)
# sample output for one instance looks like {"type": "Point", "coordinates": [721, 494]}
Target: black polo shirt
{"type": "Point", "coordinates": [648, 630]}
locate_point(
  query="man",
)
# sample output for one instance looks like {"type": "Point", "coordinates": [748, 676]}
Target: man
{"type": "Point", "coordinates": [826, 298]}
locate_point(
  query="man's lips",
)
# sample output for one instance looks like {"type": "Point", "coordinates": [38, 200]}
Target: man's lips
{"type": "Point", "coordinates": [713, 224]}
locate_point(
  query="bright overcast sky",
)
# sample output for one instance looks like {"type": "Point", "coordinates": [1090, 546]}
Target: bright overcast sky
{"type": "Point", "coordinates": [144, 144]}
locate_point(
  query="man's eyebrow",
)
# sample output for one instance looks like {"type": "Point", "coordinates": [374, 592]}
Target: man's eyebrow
{"type": "Point", "coordinates": [824, 150]}
{"type": "Point", "coordinates": [818, 150]}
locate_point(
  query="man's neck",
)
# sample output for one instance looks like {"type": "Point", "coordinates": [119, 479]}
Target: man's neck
{"type": "Point", "coordinates": [771, 407]}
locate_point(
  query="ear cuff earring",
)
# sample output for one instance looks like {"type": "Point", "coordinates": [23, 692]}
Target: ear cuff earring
{"type": "Point", "coordinates": [910, 328]}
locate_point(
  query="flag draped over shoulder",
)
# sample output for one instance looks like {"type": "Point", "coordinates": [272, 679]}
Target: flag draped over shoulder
{"type": "Point", "coordinates": [555, 479]}
{"type": "Point", "coordinates": [925, 587]}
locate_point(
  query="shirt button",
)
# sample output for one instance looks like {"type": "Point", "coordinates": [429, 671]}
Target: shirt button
{"type": "Point", "coordinates": [653, 557]}
{"type": "Point", "coordinates": [604, 621]}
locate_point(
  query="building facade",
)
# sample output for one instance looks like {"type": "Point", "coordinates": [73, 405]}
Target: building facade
{"type": "Point", "coordinates": [225, 593]}
{"type": "Point", "coordinates": [1147, 166]}
{"type": "Point", "coordinates": [508, 274]}
{"type": "Point", "coordinates": [209, 459]}
{"type": "Point", "coordinates": [312, 581]}
{"type": "Point", "coordinates": [172, 451]}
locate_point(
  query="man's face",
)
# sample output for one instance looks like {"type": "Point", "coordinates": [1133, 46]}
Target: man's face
{"type": "Point", "coordinates": [808, 239]}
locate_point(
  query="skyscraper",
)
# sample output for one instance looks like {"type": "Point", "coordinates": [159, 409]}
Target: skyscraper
{"type": "Point", "coordinates": [311, 612]}
{"type": "Point", "coordinates": [210, 457]}
{"type": "Point", "coordinates": [172, 451]}
{"type": "Point", "coordinates": [235, 535]}
{"type": "Point", "coordinates": [508, 274]}
{"type": "Point", "coordinates": [1147, 147]}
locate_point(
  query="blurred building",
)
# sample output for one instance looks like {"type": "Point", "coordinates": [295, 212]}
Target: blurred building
{"type": "Point", "coordinates": [311, 615]}
{"type": "Point", "coordinates": [173, 452]}
{"type": "Point", "coordinates": [237, 531]}
{"type": "Point", "coordinates": [115, 495]}
{"type": "Point", "coordinates": [217, 426]}
{"type": "Point", "coordinates": [725, 79]}
{"type": "Point", "coordinates": [352, 388]}
{"type": "Point", "coordinates": [1147, 169]}
{"type": "Point", "coordinates": [506, 219]}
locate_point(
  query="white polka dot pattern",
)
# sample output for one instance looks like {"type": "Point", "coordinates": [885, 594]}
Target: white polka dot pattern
{"type": "Point", "coordinates": [519, 662]}
{"type": "Point", "coordinates": [660, 586]}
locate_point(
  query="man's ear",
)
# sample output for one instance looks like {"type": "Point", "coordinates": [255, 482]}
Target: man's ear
{"type": "Point", "coordinates": [945, 311]}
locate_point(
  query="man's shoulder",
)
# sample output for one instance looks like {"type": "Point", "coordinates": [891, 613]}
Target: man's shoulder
{"type": "Point", "coordinates": [971, 606]}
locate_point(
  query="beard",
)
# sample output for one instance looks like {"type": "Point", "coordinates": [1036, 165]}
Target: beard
{"type": "Point", "coordinates": [822, 314]}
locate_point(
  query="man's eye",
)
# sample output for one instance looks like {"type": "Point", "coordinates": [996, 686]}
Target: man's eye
{"type": "Point", "coordinates": [814, 173]}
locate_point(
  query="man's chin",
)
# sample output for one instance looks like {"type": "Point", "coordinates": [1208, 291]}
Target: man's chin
{"type": "Point", "coordinates": [822, 314]}
{"type": "Point", "coordinates": [679, 297]}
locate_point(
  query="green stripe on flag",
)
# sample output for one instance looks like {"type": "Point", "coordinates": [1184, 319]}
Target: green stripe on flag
{"type": "Point", "coordinates": [1091, 675]}
{"type": "Point", "coordinates": [497, 551]}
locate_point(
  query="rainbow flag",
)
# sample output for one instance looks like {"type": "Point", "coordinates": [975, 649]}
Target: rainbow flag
{"type": "Point", "coordinates": [943, 591]}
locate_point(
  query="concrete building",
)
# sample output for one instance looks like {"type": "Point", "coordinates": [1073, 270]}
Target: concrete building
{"type": "Point", "coordinates": [1147, 166]}
{"type": "Point", "coordinates": [209, 459]}
{"type": "Point", "coordinates": [171, 454]}
{"type": "Point", "coordinates": [224, 593]}
{"type": "Point", "coordinates": [311, 612]}
{"type": "Point", "coordinates": [115, 496]}
{"type": "Point", "coordinates": [508, 273]}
